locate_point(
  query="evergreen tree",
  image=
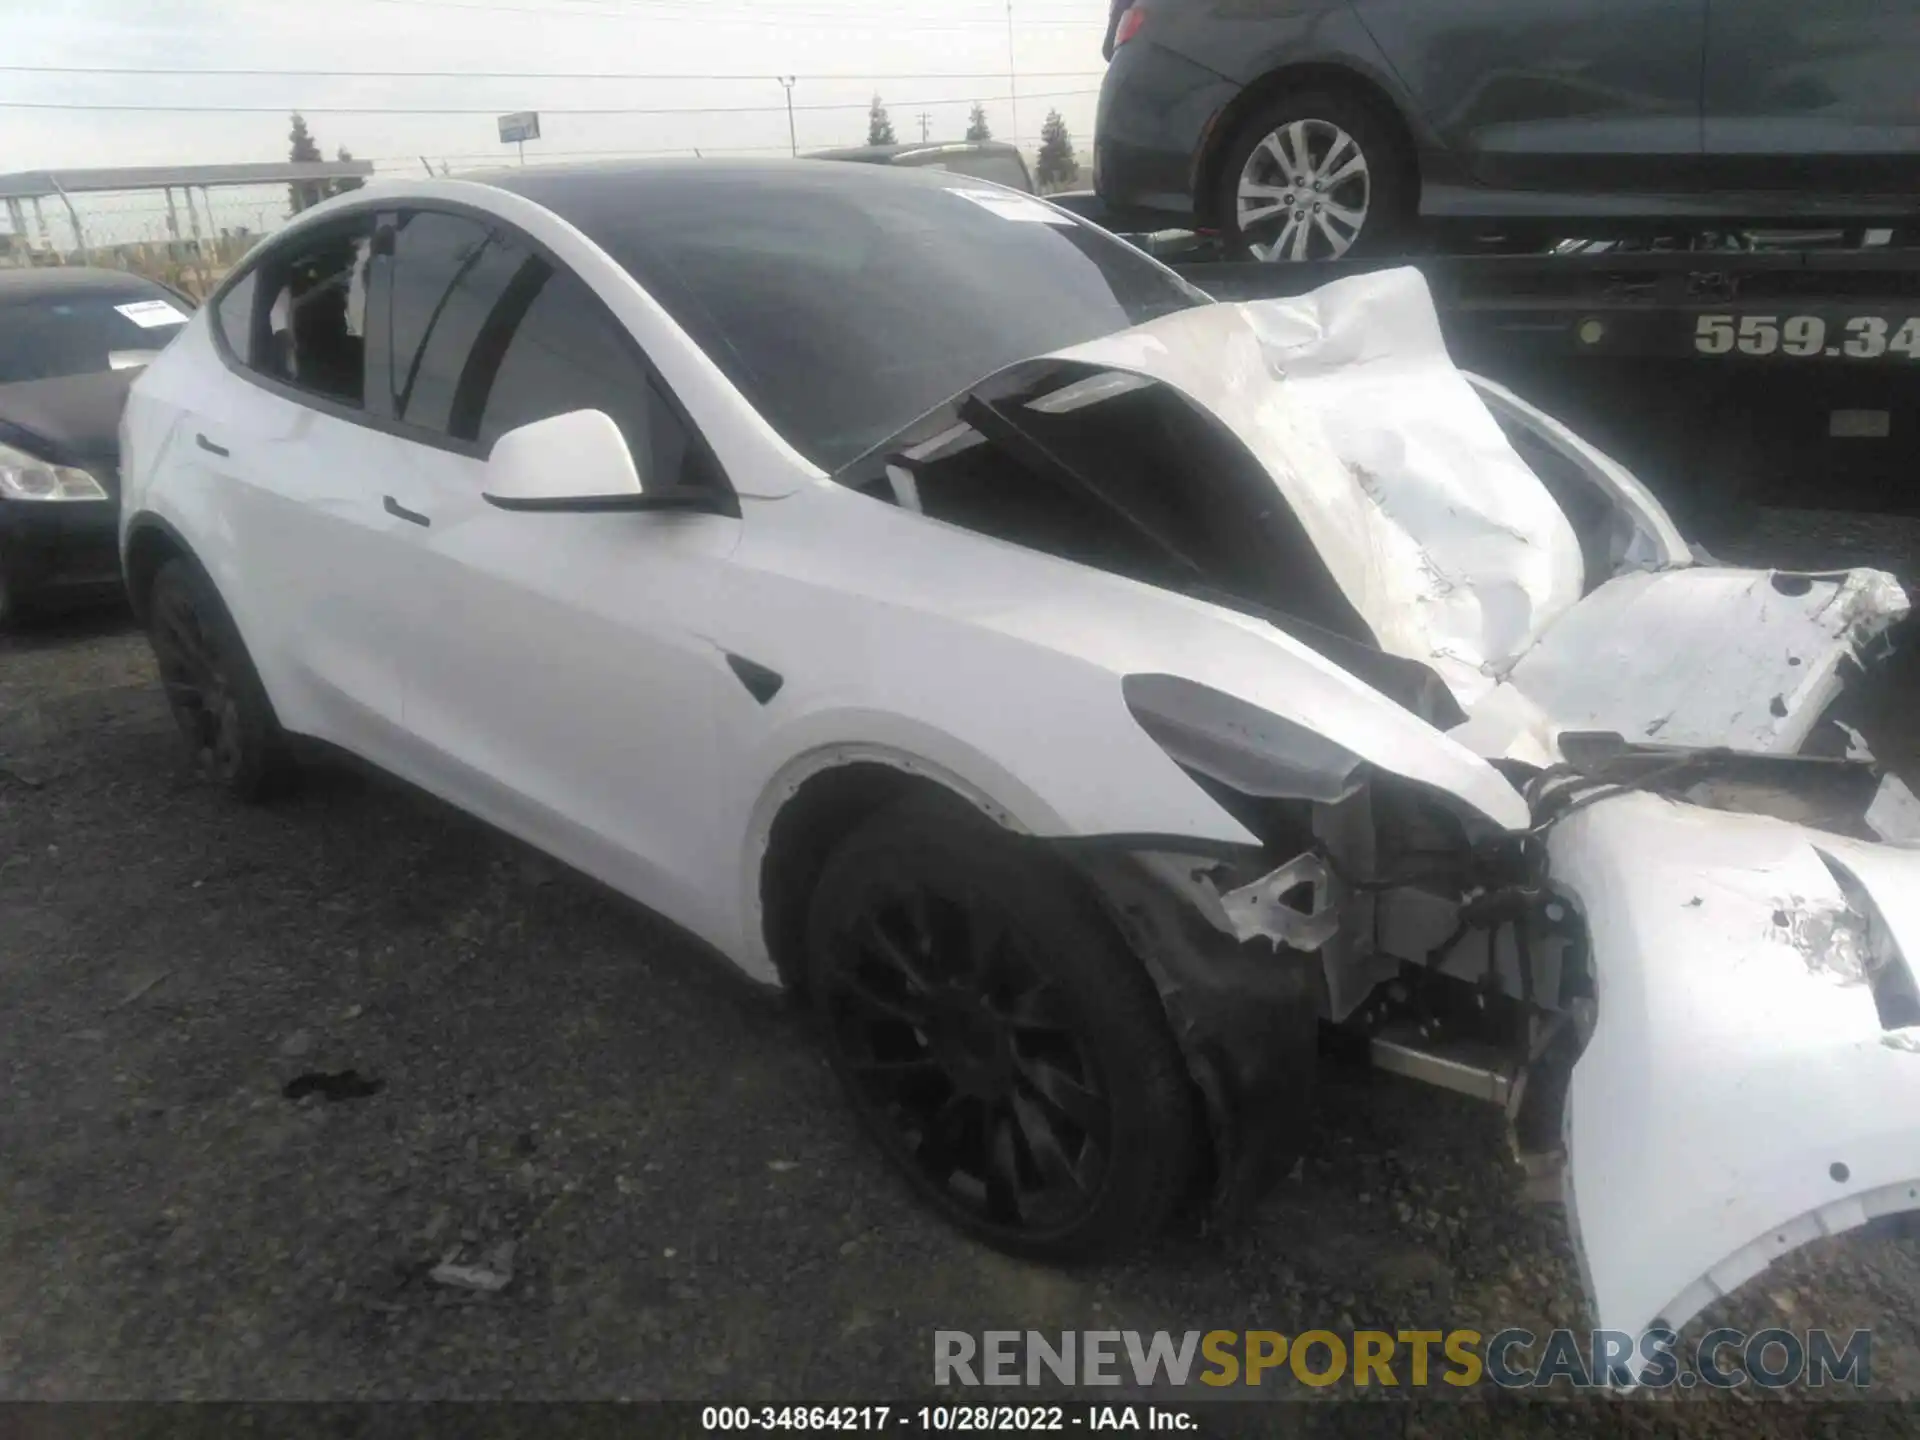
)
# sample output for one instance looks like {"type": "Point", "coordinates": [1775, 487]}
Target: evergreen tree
{"type": "Point", "coordinates": [1057, 164]}
{"type": "Point", "coordinates": [301, 193]}
{"type": "Point", "coordinates": [977, 127]}
{"type": "Point", "coordinates": [879, 127]}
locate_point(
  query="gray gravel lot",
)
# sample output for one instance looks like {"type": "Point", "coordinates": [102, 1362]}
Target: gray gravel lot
{"type": "Point", "coordinates": [690, 1210]}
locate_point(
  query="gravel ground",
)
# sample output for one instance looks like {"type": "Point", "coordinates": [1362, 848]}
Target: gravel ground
{"type": "Point", "coordinates": [571, 1090]}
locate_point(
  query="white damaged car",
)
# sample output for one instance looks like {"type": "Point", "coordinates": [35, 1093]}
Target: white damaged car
{"type": "Point", "coordinates": [1079, 692]}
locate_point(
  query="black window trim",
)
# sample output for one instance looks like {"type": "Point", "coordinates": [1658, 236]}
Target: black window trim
{"type": "Point", "coordinates": [389, 205]}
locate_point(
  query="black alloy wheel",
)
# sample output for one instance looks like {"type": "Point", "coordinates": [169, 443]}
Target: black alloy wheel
{"type": "Point", "coordinates": [212, 688]}
{"type": "Point", "coordinates": [959, 1043]}
{"type": "Point", "coordinates": [960, 988]}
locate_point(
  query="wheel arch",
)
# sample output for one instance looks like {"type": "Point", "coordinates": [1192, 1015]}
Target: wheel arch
{"type": "Point", "coordinates": [1242, 1047]}
{"type": "Point", "coordinates": [151, 542]}
{"type": "Point", "coordinates": [815, 801]}
{"type": "Point", "coordinates": [1307, 75]}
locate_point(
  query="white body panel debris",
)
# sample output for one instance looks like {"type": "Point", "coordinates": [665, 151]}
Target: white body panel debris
{"type": "Point", "coordinates": [1741, 1094]}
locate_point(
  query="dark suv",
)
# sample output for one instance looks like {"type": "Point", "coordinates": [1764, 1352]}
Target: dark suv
{"type": "Point", "coordinates": [1303, 128]}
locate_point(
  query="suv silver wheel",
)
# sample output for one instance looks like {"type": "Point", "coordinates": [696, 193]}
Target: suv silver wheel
{"type": "Point", "coordinates": [1304, 193]}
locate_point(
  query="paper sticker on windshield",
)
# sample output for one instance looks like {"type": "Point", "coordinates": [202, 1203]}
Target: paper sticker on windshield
{"type": "Point", "coordinates": [151, 314]}
{"type": "Point", "coordinates": [1012, 205]}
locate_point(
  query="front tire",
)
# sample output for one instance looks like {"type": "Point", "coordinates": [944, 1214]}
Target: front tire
{"type": "Point", "coordinates": [1315, 176]}
{"type": "Point", "coordinates": [212, 687]}
{"type": "Point", "coordinates": [1005, 1050]}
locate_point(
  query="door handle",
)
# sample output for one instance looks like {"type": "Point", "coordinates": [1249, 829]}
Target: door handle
{"type": "Point", "coordinates": [211, 448]}
{"type": "Point", "coordinates": [400, 512]}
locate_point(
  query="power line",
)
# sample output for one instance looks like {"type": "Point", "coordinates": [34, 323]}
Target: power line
{"type": "Point", "coordinates": [523, 74]}
{"type": "Point", "coordinates": [495, 109]}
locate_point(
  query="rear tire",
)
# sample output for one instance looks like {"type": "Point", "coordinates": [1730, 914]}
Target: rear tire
{"type": "Point", "coordinates": [1005, 1050]}
{"type": "Point", "coordinates": [212, 687]}
{"type": "Point", "coordinates": [1265, 199]}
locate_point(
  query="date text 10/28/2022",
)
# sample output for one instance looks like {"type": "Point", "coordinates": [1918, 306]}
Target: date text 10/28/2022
{"type": "Point", "coordinates": [937, 1419]}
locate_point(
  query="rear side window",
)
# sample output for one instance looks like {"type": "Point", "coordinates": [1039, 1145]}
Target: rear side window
{"type": "Point", "coordinates": [234, 314]}
{"type": "Point", "coordinates": [316, 319]}
{"type": "Point", "coordinates": [449, 274]}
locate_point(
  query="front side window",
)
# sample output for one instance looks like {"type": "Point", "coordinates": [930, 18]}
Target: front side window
{"type": "Point", "coordinates": [449, 272]}
{"type": "Point", "coordinates": [316, 320]}
{"type": "Point", "coordinates": [486, 334]}
{"type": "Point", "coordinates": [551, 348]}
{"type": "Point", "coordinates": [52, 336]}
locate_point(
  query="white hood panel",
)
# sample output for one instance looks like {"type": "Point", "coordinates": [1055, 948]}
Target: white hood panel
{"type": "Point", "coordinates": [1456, 555]}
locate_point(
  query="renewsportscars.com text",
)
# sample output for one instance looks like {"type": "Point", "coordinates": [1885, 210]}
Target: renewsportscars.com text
{"type": "Point", "coordinates": [1510, 1359]}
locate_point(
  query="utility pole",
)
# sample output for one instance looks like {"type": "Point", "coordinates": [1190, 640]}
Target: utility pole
{"type": "Point", "coordinates": [793, 142]}
{"type": "Point", "coordinates": [1013, 77]}
{"type": "Point", "coordinates": [925, 120]}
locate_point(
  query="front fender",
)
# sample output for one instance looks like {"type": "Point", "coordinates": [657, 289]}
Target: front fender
{"type": "Point", "coordinates": [830, 739]}
{"type": "Point", "coordinates": [1747, 1087]}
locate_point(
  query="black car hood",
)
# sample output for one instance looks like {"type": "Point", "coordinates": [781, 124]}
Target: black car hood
{"type": "Point", "coordinates": [74, 418]}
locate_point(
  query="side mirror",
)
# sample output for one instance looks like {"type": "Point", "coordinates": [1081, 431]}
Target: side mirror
{"type": "Point", "coordinates": [579, 463]}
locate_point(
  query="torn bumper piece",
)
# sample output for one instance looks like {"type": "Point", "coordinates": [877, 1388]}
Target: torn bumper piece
{"type": "Point", "coordinates": [1292, 906]}
{"type": "Point", "coordinates": [1753, 1079]}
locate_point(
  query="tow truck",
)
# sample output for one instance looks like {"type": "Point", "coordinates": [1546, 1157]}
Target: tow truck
{"type": "Point", "coordinates": [1729, 371]}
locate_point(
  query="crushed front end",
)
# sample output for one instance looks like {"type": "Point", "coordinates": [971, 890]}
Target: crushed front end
{"type": "Point", "coordinates": [1687, 980]}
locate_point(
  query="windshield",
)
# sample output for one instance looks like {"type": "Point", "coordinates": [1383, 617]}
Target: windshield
{"type": "Point", "coordinates": [844, 301]}
{"type": "Point", "coordinates": [48, 337]}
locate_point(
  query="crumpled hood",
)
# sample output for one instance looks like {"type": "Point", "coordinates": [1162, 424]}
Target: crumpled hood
{"type": "Point", "coordinates": [1440, 536]}
{"type": "Point", "coordinates": [1456, 555]}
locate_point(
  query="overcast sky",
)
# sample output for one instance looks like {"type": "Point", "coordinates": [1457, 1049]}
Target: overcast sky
{"type": "Point", "coordinates": [876, 44]}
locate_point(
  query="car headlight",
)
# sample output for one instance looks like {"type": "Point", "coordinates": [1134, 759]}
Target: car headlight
{"type": "Point", "coordinates": [23, 477]}
{"type": "Point", "coordinates": [1240, 745]}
